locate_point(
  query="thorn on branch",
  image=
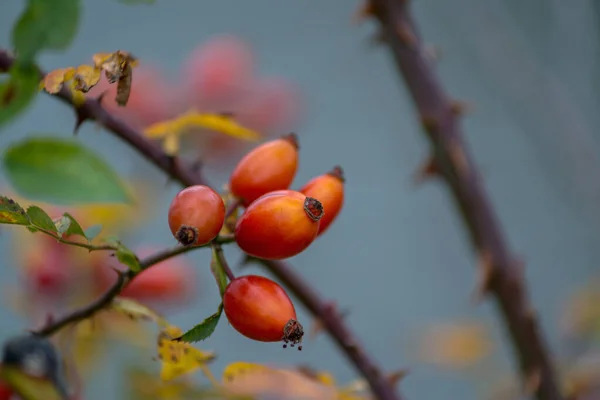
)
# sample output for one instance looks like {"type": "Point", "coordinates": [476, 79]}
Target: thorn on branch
{"type": "Point", "coordinates": [532, 382]}
{"type": "Point", "coordinates": [459, 108]}
{"type": "Point", "coordinates": [365, 11]}
{"type": "Point", "coordinates": [407, 35]}
{"type": "Point", "coordinates": [430, 124]}
{"type": "Point", "coordinates": [429, 169]}
{"type": "Point", "coordinates": [486, 274]}
{"type": "Point", "coordinates": [80, 117]}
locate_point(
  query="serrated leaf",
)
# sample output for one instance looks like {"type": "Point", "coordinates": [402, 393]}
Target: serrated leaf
{"type": "Point", "coordinates": [136, 311]}
{"type": "Point", "coordinates": [128, 258]}
{"type": "Point", "coordinates": [179, 358]}
{"type": "Point", "coordinates": [204, 329]}
{"type": "Point", "coordinates": [18, 91]}
{"type": "Point", "coordinates": [40, 219]}
{"type": "Point", "coordinates": [74, 227]}
{"type": "Point", "coordinates": [218, 272]}
{"type": "Point", "coordinates": [11, 212]}
{"type": "Point", "coordinates": [93, 231]}
{"type": "Point", "coordinates": [62, 171]}
{"type": "Point", "coordinates": [43, 25]}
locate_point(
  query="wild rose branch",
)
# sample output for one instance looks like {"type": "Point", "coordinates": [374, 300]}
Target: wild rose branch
{"type": "Point", "coordinates": [300, 208]}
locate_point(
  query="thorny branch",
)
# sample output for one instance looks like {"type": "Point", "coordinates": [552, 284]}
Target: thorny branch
{"type": "Point", "coordinates": [186, 175]}
{"type": "Point", "coordinates": [123, 279]}
{"type": "Point", "coordinates": [501, 274]}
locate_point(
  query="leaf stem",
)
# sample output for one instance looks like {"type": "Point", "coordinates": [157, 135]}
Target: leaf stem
{"type": "Point", "coordinates": [222, 260]}
{"type": "Point", "coordinates": [87, 246]}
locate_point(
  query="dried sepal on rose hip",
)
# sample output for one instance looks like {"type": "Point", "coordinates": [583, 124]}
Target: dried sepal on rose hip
{"type": "Point", "coordinates": [196, 215]}
{"type": "Point", "coordinates": [261, 310]}
{"type": "Point", "coordinates": [329, 189]}
{"type": "Point", "coordinates": [269, 167]}
{"type": "Point", "coordinates": [279, 225]}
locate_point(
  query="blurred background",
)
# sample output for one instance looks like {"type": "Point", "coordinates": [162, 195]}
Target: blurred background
{"type": "Point", "coordinates": [397, 257]}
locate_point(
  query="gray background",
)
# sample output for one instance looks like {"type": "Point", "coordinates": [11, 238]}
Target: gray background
{"type": "Point", "coordinates": [530, 70]}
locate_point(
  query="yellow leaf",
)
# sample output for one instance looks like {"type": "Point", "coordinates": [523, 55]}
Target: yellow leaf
{"type": "Point", "coordinates": [220, 123]}
{"type": "Point", "coordinates": [86, 77]}
{"type": "Point", "coordinates": [179, 358]}
{"type": "Point", "coordinates": [124, 86]}
{"type": "Point", "coordinates": [170, 130]}
{"type": "Point", "coordinates": [137, 311]}
{"type": "Point", "coordinates": [171, 144]}
{"type": "Point", "coordinates": [53, 81]}
{"type": "Point", "coordinates": [117, 67]}
{"type": "Point", "coordinates": [455, 345]}
{"type": "Point", "coordinates": [245, 378]}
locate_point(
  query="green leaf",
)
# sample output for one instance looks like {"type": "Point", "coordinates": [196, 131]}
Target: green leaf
{"type": "Point", "coordinates": [93, 231]}
{"type": "Point", "coordinates": [62, 171]}
{"type": "Point", "coordinates": [204, 329]}
{"type": "Point", "coordinates": [218, 271]}
{"type": "Point", "coordinates": [128, 257]}
{"type": "Point", "coordinates": [18, 91]}
{"type": "Point", "coordinates": [43, 25]}
{"type": "Point", "coordinates": [40, 219]}
{"type": "Point", "coordinates": [67, 225]}
{"type": "Point", "coordinates": [12, 213]}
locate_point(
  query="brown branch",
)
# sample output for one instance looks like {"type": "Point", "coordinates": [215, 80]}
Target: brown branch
{"type": "Point", "coordinates": [439, 116]}
{"type": "Point", "coordinates": [93, 110]}
{"type": "Point", "coordinates": [124, 279]}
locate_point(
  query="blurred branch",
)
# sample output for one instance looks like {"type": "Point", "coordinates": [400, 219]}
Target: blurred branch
{"type": "Point", "coordinates": [93, 110]}
{"type": "Point", "coordinates": [501, 274]}
{"type": "Point", "coordinates": [124, 278]}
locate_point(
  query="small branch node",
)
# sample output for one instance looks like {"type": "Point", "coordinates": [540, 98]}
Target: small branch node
{"type": "Point", "coordinates": [429, 169]}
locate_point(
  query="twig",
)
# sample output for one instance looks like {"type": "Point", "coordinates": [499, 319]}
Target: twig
{"type": "Point", "coordinates": [187, 176]}
{"type": "Point", "coordinates": [223, 261]}
{"type": "Point", "coordinates": [502, 276]}
{"type": "Point", "coordinates": [88, 246]}
{"type": "Point", "coordinates": [124, 279]}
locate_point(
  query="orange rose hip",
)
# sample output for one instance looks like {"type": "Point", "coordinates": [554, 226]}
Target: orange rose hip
{"type": "Point", "coordinates": [279, 225]}
{"type": "Point", "coordinates": [270, 166]}
{"type": "Point", "coordinates": [260, 309]}
{"type": "Point", "coordinates": [196, 215]}
{"type": "Point", "coordinates": [329, 189]}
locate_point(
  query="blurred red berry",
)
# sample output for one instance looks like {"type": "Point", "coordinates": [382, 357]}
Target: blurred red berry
{"type": "Point", "coordinates": [6, 392]}
{"type": "Point", "coordinates": [47, 268]}
{"type": "Point", "coordinates": [271, 106]}
{"type": "Point", "coordinates": [217, 70]}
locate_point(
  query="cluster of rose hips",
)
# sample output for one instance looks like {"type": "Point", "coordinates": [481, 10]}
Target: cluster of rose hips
{"type": "Point", "coordinates": [277, 223]}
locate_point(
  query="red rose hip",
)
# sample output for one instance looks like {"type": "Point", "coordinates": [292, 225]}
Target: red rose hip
{"type": "Point", "coordinates": [270, 166]}
{"type": "Point", "coordinates": [260, 309]}
{"type": "Point", "coordinates": [329, 189]}
{"type": "Point", "coordinates": [196, 215]}
{"type": "Point", "coordinates": [279, 225]}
